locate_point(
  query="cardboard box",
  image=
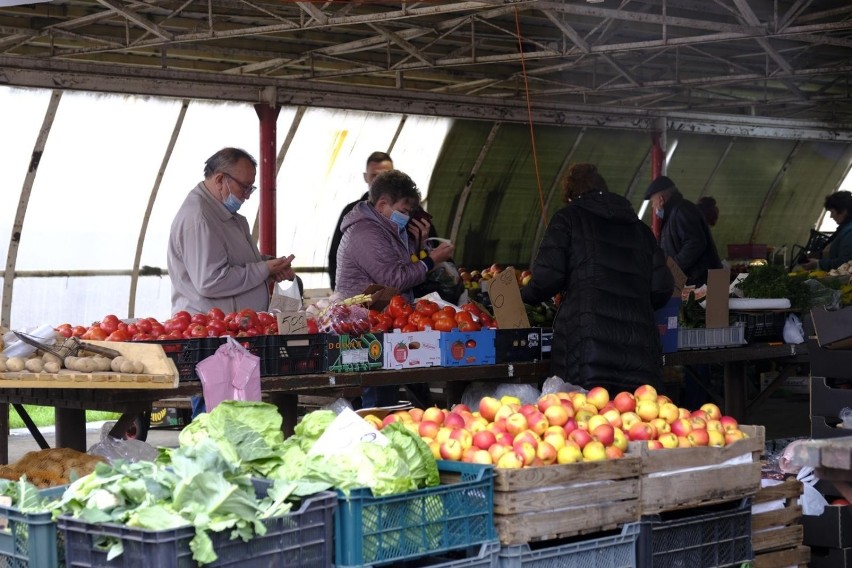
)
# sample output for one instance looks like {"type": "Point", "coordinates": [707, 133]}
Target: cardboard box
{"type": "Point", "coordinates": [716, 311]}
{"type": "Point", "coordinates": [411, 350]}
{"type": "Point", "coordinates": [678, 276]}
{"type": "Point", "coordinates": [346, 353]}
{"type": "Point", "coordinates": [506, 300]}
{"type": "Point", "coordinates": [832, 529]}
{"type": "Point", "coordinates": [834, 363]}
{"type": "Point", "coordinates": [467, 348]}
{"type": "Point", "coordinates": [516, 345]}
{"type": "Point", "coordinates": [833, 329]}
{"type": "Point", "coordinates": [380, 296]}
{"type": "Point", "coordinates": [829, 398]}
{"type": "Point", "coordinates": [666, 319]}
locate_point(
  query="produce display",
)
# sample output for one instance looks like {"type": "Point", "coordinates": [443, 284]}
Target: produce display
{"type": "Point", "coordinates": [50, 467]}
{"type": "Point", "coordinates": [563, 427]}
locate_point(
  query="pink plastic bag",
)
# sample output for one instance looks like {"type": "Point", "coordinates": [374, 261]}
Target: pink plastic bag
{"type": "Point", "coordinates": [232, 373]}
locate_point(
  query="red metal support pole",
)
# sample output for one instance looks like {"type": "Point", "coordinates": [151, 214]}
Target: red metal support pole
{"type": "Point", "coordinates": [268, 116]}
{"type": "Point", "coordinates": [658, 157]}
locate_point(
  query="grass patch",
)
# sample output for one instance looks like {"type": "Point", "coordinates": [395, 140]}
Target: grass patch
{"type": "Point", "coordinates": [44, 416]}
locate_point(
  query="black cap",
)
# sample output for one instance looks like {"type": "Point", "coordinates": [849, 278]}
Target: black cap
{"type": "Point", "coordinates": [662, 183]}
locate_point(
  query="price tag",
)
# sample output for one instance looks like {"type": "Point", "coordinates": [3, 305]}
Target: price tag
{"type": "Point", "coordinates": [292, 323]}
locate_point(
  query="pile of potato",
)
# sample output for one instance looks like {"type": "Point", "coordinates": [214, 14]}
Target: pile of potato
{"type": "Point", "coordinates": [51, 364]}
{"type": "Point", "coordinates": [51, 467]}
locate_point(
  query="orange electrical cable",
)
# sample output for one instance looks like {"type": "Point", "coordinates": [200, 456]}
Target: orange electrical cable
{"type": "Point", "coordinates": [529, 114]}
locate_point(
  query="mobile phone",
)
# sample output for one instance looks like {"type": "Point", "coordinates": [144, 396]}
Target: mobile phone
{"type": "Point", "coordinates": [420, 214]}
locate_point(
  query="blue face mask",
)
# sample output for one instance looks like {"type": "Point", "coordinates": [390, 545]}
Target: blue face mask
{"type": "Point", "coordinates": [232, 204]}
{"type": "Point", "coordinates": [660, 213]}
{"type": "Point", "coordinates": [401, 219]}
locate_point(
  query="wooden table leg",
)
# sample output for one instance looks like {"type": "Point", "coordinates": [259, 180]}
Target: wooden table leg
{"type": "Point", "coordinates": [736, 390]}
{"type": "Point", "coordinates": [288, 405]}
{"type": "Point", "coordinates": [70, 428]}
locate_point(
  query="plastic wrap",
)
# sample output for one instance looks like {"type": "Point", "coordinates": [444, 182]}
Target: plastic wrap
{"type": "Point", "coordinates": [118, 449]}
{"type": "Point", "coordinates": [476, 391]}
{"type": "Point", "coordinates": [555, 384]}
{"type": "Point", "coordinates": [342, 319]}
{"type": "Point", "coordinates": [823, 296]}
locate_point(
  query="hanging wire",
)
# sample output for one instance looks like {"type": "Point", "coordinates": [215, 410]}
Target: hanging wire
{"type": "Point", "coordinates": [529, 114]}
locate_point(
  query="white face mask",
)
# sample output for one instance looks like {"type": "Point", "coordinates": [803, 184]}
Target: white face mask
{"type": "Point", "coordinates": [660, 213]}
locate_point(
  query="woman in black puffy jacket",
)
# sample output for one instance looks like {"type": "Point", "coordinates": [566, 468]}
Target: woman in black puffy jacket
{"type": "Point", "coordinates": [612, 276]}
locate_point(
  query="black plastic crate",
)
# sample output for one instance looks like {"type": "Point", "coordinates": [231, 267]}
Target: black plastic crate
{"type": "Point", "coordinates": [546, 342]}
{"type": "Point", "coordinates": [517, 345]}
{"type": "Point", "coordinates": [302, 354]}
{"type": "Point", "coordinates": [186, 353]}
{"type": "Point", "coordinates": [302, 538]}
{"type": "Point", "coordinates": [762, 325]}
{"type": "Point", "coordinates": [706, 537]}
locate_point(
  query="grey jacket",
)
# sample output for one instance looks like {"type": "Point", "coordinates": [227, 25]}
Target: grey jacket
{"type": "Point", "coordinates": [373, 252]}
{"type": "Point", "coordinates": [212, 259]}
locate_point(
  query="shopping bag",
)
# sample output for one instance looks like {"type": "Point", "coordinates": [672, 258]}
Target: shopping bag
{"type": "Point", "coordinates": [232, 373]}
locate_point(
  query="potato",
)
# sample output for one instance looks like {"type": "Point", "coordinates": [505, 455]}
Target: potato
{"type": "Point", "coordinates": [50, 357]}
{"type": "Point", "coordinates": [71, 362]}
{"type": "Point", "coordinates": [115, 364]}
{"type": "Point", "coordinates": [3, 366]}
{"type": "Point", "coordinates": [126, 367]}
{"type": "Point", "coordinates": [34, 365]}
{"type": "Point", "coordinates": [3, 358]}
{"type": "Point", "coordinates": [52, 367]}
{"type": "Point", "coordinates": [138, 367]}
{"type": "Point", "coordinates": [101, 363]}
{"type": "Point", "coordinates": [15, 364]}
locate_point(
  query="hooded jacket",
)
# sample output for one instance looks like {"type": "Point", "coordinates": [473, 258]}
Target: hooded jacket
{"type": "Point", "coordinates": [685, 236]}
{"type": "Point", "coordinates": [612, 276]}
{"type": "Point", "coordinates": [374, 251]}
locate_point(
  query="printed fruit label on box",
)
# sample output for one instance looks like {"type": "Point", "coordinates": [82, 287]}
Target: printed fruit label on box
{"type": "Point", "coordinates": [347, 353]}
{"type": "Point", "coordinates": [413, 349]}
{"type": "Point", "coordinates": [463, 348]}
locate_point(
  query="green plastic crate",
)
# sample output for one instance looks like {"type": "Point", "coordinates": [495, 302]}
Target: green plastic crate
{"type": "Point", "coordinates": [371, 531]}
{"type": "Point", "coordinates": [612, 551]}
{"type": "Point", "coordinates": [30, 539]}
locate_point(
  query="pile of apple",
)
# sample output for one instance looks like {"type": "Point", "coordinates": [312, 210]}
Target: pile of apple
{"type": "Point", "coordinates": [563, 428]}
{"type": "Point", "coordinates": [473, 278]}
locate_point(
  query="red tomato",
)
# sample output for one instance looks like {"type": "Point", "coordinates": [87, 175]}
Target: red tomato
{"type": "Point", "coordinates": [312, 326]}
{"type": "Point", "coordinates": [215, 328]}
{"type": "Point", "coordinates": [443, 324]}
{"type": "Point", "coordinates": [427, 307]}
{"type": "Point", "coordinates": [265, 319]}
{"type": "Point", "coordinates": [449, 310]}
{"type": "Point", "coordinates": [396, 306]}
{"type": "Point", "coordinates": [118, 335]}
{"type": "Point", "coordinates": [157, 329]}
{"type": "Point", "coordinates": [271, 329]}
{"type": "Point", "coordinates": [179, 324]}
{"type": "Point", "coordinates": [145, 326]}
{"type": "Point", "coordinates": [470, 307]}
{"type": "Point", "coordinates": [182, 314]}
{"type": "Point", "coordinates": [142, 337]}
{"type": "Point", "coordinates": [199, 319]}
{"type": "Point", "coordinates": [198, 330]}
{"type": "Point", "coordinates": [408, 328]}
{"type": "Point", "coordinates": [215, 314]}
{"type": "Point", "coordinates": [247, 319]}
{"type": "Point", "coordinates": [252, 332]}
{"type": "Point", "coordinates": [131, 329]}
{"type": "Point", "coordinates": [64, 331]}
{"type": "Point", "coordinates": [173, 334]}
{"type": "Point", "coordinates": [464, 316]}
{"type": "Point", "coordinates": [95, 333]}
{"type": "Point", "coordinates": [469, 326]}
{"type": "Point", "coordinates": [399, 322]}
{"type": "Point", "coordinates": [78, 331]}
{"type": "Point", "coordinates": [109, 323]}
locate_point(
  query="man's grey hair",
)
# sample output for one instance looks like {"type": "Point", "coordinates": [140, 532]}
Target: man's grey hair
{"type": "Point", "coordinates": [225, 159]}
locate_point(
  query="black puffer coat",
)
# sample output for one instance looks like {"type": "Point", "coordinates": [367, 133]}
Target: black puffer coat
{"type": "Point", "coordinates": [612, 276]}
{"type": "Point", "coordinates": [685, 236]}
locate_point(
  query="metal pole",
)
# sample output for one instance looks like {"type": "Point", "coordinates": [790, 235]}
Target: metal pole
{"type": "Point", "coordinates": [268, 116]}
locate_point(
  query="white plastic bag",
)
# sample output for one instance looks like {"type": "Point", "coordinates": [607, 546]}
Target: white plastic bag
{"type": "Point", "coordinates": [118, 449]}
{"type": "Point", "coordinates": [793, 332]}
{"type": "Point", "coordinates": [812, 501]}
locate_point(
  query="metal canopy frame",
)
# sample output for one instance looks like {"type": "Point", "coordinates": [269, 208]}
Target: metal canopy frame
{"type": "Point", "coordinates": [768, 68]}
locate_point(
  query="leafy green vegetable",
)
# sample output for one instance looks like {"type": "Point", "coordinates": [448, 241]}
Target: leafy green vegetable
{"type": "Point", "coordinates": [772, 281]}
{"type": "Point", "coordinates": [415, 453]}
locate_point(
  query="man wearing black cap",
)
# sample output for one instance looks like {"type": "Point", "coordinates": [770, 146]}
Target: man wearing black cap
{"type": "Point", "coordinates": [684, 234]}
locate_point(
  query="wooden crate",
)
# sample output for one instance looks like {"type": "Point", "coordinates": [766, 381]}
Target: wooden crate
{"type": "Point", "coordinates": [160, 372]}
{"type": "Point", "coordinates": [554, 501]}
{"type": "Point", "coordinates": [682, 478]}
{"type": "Point", "coordinates": [777, 534]}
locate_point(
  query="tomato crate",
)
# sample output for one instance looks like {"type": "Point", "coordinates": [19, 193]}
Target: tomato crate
{"type": "Point", "coordinates": [186, 353]}
{"type": "Point", "coordinates": [616, 550]}
{"type": "Point", "coordinates": [559, 501]}
{"type": "Point", "coordinates": [353, 353]}
{"type": "Point", "coordinates": [457, 514]}
{"type": "Point", "coordinates": [283, 355]}
{"type": "Point", "coordinates": [715, 536]}
{"type": "Point", "coordinates": [517, 345]}
{"type": "Point", "coordinates": [467, 348]}
{"type": "Point", "coordinates": [681, 478]}
{"type": "Point", "coordinates": [30, 540]}
{"type": "Point", "coordinates": [301, 538]}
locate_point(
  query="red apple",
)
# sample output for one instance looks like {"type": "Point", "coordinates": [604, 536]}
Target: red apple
{"type": "Point", "coordinates": [598, 396]}
{"type": "Point", "coordinates": [625, 402]}
{"type": "Point", "coordinates": [516, 423]}
{"type": "Point", "coordinates": [645, 392]}
{"type": "Point", "coordinates": [681, 427]}
{"type": "Point", "coordinates": [428, 429]}
{"type": "Point", "coordinates": [729, 423]}
{"type": "Point", "coordinates": [537, 422]}
{"type": "Point", "coordinates": [452, 450]}
{"type": "Point", "coordinates": [712, 411]}
{"type": "Point", "coordinates": [488, 407]}
{"type": "Point", "coordinates": [484, 439]}
{"type": "Point", "coordinates": [556, 415]}
{"type": "Point", "coordinates": [453, 420]}
{"type": "Point", "coordinates": [546, 453]}
{"type": "Point", "coordinates": [698, 437]}
{"type": "Point", "coordinates": [525, 451]}
{"type": "Point", "coordinates": [547, 401]}
{"type": "Point", "coordinates": [641, 431]}
{"type": "Point", "coordinates": [614, 453]}
{"type": "Point", "coordinates": [604, 434]}
{"type": "Point", "coordinates": [580, 437]}
{"type": "Point", "coordinates": [463, 436]}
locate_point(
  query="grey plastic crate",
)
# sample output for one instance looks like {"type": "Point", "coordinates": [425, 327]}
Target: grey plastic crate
{"type": "Point", "coordinates": [705, 338]}
{"type": "Point", "coordinates": [616, 551]}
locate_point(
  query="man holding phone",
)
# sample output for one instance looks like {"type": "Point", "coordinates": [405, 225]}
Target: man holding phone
{"type": "Point", "coordinates": [213, 261]}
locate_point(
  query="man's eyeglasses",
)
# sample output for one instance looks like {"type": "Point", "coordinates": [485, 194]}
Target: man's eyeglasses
{"type": "Point", "coordinates": [246, 189]}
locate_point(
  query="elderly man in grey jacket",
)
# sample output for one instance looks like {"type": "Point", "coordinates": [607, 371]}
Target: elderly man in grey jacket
{"type": "Point", "coordinates": [213, 261]}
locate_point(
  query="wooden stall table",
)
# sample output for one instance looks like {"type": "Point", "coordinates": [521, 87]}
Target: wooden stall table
{"type": "Point", "coordinates": [831, 459]}
{"type": "Point", "coordinates": [283, 391]}
{"type": "Point", "coordinates": [735, 361]}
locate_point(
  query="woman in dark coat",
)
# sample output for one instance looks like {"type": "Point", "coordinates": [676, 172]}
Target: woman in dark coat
{"type": "Point", "coordinates": [612, 276]}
